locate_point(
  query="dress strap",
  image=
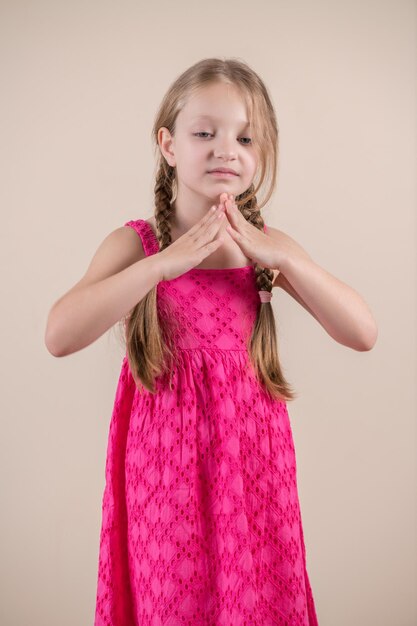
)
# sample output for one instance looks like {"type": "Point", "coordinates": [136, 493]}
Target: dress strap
{"type": "Point", "coordinates": [144, 230]}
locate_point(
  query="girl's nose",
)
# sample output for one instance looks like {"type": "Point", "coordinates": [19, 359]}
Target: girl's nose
{"type": "Point", "coordinates": [225, 154]}
{"type": "Point", "coordinates": [225, 150]}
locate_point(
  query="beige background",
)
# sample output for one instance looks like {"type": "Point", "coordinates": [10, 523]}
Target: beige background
{"type": "Point", "coordinates": [80, 85]}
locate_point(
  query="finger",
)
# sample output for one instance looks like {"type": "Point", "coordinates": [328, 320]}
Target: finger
{"type": "Point", "coordinates": [234, 233]}
{"type": "Point", "coordinates": [212, 245]}
{"type": "Point", "coordinates": [214, 226]}
{"type": "Point", "coordinates": [211, 229]}
{"type": "Point", "coordinates": [210, 215]}
{"type": "Point", "coordinates": [231, 206]}
{"type": "Point", "coordinates": [216, 218]}
{"type": "Point", "coordinates": [233, 214]}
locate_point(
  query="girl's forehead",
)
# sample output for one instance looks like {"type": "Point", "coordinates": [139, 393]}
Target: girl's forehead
{"type": "Point", "coordinates": [213, 100]}
{"type": "Point", "coordinates": [214, 118]}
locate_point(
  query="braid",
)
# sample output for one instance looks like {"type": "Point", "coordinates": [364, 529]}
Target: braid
{"type": "Point", "coordinates": [252, 214]}
{"type": "Point", "coordinates": [163, 204]}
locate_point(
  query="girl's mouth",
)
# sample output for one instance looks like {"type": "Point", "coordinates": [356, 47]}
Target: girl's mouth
{"type": "Point", "coordinates": [222, 174]}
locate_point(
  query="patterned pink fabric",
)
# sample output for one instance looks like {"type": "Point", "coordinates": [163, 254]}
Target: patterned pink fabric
{"type": "Point", "coordinates": [201, 522]}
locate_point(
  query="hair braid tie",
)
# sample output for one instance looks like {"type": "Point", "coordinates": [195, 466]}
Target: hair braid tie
{"type": "Point", "coordinates": [265, 296]}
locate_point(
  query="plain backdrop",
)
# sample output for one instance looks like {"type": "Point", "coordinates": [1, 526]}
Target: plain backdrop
{"type": "Point", "coordinates": [80, 85]}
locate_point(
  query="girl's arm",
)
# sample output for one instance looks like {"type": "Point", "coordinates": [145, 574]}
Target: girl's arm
{"type": "Point", "coordinates": [118, 277]}
{"type": "Point", "coordinates": [337, 307]}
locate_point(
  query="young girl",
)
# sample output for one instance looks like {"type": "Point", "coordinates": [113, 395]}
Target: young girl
{"type": "Point", "coordinates": [201, 517]}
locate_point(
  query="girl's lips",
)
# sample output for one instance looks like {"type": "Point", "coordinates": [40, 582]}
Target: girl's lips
{"type": "Point", "coordinates": [222, 174]}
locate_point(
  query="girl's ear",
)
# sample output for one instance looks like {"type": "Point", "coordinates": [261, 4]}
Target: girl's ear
{"type": "Point", "coordinates": [165, 142]}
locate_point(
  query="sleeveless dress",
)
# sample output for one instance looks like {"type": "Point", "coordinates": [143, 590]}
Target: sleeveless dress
{"type": "Point", "coordinates": [201, 522]}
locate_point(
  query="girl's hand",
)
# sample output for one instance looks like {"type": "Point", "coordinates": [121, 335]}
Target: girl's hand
{"type": "Point", "coordinates": [193, 246]}
{"type": "Point", "coordinates": [253, 242]}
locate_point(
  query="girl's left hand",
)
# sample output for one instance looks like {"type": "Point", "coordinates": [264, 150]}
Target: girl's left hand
{"type": "Point", "coordinates": [253, 242]}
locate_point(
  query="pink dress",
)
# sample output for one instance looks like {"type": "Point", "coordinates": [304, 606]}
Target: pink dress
{"type": "Point", "coordinates": [201, 522]}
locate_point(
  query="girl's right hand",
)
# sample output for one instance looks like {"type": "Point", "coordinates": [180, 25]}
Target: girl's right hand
{"type": "Point", "coordinates": [193, 246]}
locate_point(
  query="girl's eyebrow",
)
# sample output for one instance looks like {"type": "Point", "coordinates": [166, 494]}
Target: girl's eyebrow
{"type": "Point", "coordinates": [210, 117]}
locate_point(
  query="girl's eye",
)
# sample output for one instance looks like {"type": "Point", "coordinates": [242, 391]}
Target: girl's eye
{"type": "Point", "coordinates": [205, 133]}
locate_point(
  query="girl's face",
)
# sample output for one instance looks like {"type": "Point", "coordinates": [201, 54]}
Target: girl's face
{"type": "Point", "coordinates": [211, 131]}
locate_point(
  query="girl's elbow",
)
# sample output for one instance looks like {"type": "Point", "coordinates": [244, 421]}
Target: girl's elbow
{"type": "Point", "coordinates": [52, 340]}
{"type": "Point", "coordinates": [369, 339]}
{"type": "Point", "coordinates": [51, 346]}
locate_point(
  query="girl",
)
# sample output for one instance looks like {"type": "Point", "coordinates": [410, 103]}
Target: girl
{"type": "Point", "coordinates": [201, 517]}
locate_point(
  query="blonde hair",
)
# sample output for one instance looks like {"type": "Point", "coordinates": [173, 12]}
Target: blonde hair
{"type": "Point", "coordinates": [148, 346]}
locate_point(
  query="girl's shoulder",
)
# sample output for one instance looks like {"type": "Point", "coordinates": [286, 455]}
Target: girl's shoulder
{"type": "Point", "coordinates": [138, 226]}
{"type": "Point", "coordinates": [118, 250]}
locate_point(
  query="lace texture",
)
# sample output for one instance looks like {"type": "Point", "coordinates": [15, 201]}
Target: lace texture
{"type": "Point", "coordinates": [201, 521]}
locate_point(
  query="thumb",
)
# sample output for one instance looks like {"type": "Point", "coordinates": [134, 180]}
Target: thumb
{"type": "Point", "coordinates": [231, 230]}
